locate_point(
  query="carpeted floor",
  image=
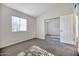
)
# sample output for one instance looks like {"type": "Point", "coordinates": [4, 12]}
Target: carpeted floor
{"type": "Point", "coordinates": [57, 48]}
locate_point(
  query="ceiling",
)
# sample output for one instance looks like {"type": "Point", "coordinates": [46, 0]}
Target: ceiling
{"type": "Point", "coordinates": [37, 9]}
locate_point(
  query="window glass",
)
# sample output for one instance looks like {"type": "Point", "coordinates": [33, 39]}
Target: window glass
{"type": "Point", "coordinates": [18, 24]}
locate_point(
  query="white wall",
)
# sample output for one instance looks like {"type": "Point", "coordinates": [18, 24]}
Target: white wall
{"type": "Point", "coordinates": [48, 15]}
{"type": "Point", "coordinates": [78, 27]}
{"type": "Point", "coordinates": [0, 25]}
{"type": "Point", "coordinates": [53, 26]}
{"type": "Point", "coordinates": [8, 37]}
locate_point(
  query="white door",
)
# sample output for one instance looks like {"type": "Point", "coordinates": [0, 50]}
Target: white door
{"type": "Point", "coordinates": [66, 29]}
{"type": "Point", "coordinates": [61, 29]}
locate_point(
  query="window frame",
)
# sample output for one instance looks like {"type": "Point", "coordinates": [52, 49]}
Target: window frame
{"type": "Point", "coordinates": [18, 30]}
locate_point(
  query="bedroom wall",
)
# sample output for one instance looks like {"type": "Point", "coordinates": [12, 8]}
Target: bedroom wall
{"type": "Point", "coordinates": [8, 37]}
{"type": "Point", "coordinates": [0, 25]}
{"type": "Point", "coordinates": [78, 29]}
{"type": "Point", "coordinates": [78, 26]}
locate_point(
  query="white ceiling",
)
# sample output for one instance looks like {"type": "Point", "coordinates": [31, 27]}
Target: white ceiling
{"type": "Point", "coordinates": [36, 9]}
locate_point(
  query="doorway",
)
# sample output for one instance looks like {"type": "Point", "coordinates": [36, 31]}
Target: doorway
{"type": "Point", "coordinates": [52, 29]}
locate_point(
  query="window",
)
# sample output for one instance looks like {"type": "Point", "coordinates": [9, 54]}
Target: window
{"type": "Point", "coordinates": [18, 24]}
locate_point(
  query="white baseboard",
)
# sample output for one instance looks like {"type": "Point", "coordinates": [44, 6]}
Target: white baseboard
{"type": "Point", "coordinates": [2, 46]}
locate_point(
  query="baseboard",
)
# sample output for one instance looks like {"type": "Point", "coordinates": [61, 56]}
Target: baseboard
{"type": "Point", "coordinates": [16, 43]}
